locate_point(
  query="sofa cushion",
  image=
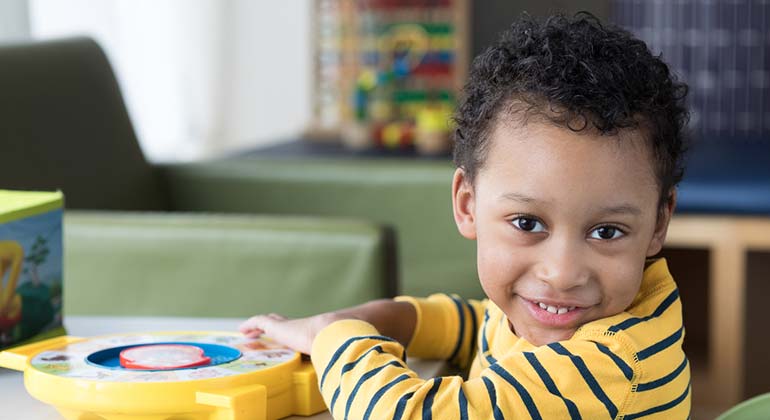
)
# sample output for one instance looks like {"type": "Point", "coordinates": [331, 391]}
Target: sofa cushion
{"type": "Point", "coordinates": [225, 266]}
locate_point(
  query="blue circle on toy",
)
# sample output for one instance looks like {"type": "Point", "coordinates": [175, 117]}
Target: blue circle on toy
{"type": "Point", "coordinates": [110, 358]}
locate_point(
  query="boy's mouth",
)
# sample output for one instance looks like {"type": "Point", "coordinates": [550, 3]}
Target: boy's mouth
{"type": "Point", "coordinates": [554, 314]}
{"type": "Point", "coordinates": [559, 310]}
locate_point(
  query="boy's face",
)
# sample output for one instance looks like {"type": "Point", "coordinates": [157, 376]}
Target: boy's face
{"type": "Point", "coordinates": [563, 223]}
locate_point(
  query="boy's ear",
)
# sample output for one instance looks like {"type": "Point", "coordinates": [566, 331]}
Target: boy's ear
{"type": "Point", "coordinates": [464, 204]}
{"type": "Point", "coordinates": [661, 226]}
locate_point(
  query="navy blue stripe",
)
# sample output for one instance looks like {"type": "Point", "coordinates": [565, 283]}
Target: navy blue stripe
{"type": "Point", "coordinates": [660, 408]}
{"type": "Point", "coordinates": [627, 371]}
{"type": "Point", "coordinates": [658, 312]}
{"type": "Point", "coordinates": [484, 343]}
{"type": "Point", "coordinates": [664, 380]}
{"type": "Point", "coordinates": [401, 405]}
{"type": "Point", "coordinates": [474, 329]}
{"type": "Point", "coordinates": [334, 399]}
{"type": "Point", "coordinates": [348, 367]}
{"type": "Point", "coordinates": [661, 345]}
{"type": "Point", "coordinates": [493, 398]}
{"type": "Point", "coordinates": [353, 364]}
{"type": "Point", "coordinates": [534, 413]}
{"type": "Point", "coordinates": [365, 377]}
{"type": "Point", "coordinates": [427, 403]}
{"type": "Point", "coordinates": [550, 385]}
{"type": "Point", "coordinates": [588, 378]}
{"type": "Point", "coordinates": [463, 402]}
{"type": "Point", "coordinates": [461, 315]}
{"type": "Point", "coordinates": [337, 354]}
{"type": "Point", "coordinates": [382, 392]}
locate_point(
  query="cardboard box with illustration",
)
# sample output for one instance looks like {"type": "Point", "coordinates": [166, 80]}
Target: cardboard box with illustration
{"type": "Point", "coordinates": [30, 266]}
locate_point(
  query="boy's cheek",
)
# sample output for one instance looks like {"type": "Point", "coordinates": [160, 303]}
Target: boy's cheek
{"type": "Point", "coordinates": [499, 274]}
{"type": "Point", "coordinates": [494, 266]}
{"type": "Point", "coordinates": [621, 287]}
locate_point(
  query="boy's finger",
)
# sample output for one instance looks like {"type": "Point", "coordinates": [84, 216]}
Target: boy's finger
{"type": "Point", "coordinates": [255, 322]}
{"type": "Point", "coordinates": [261, 322]}
{"type": "Point", "coordinates": [255, 333]}
{"type": "Point", "coordinates": [249, 331]}
{"type": "Point", "coordinates": [245, 326]}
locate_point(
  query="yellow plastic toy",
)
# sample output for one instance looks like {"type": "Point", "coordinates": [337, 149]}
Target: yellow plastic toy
{"type": "Point", "coordinates": [245, 379]}
{"type": "Point", "coordinates": [11, 256]}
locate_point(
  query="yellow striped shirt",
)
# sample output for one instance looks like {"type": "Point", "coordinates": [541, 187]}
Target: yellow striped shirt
{"type": "Point", "coordinates": [627, 366]}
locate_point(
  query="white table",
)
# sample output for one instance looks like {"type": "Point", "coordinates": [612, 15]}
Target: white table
{"type": "Point", "coordinates": [16, 404]}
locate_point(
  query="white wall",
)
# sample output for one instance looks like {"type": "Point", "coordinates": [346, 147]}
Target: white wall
{"type": "Point", "coordinates": [201, 78]}
{"type": "Point", "coordinates": [269, 71]}
{"type": "Point", "coordinates": [14, 20]}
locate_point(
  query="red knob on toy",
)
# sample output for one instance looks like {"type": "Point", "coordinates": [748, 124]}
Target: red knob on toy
{"type": "Point", "coordinates": [163, 357]}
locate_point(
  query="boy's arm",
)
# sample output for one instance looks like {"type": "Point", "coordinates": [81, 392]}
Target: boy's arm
{"type": "Point", "coordinates": [363, 375]}
{"type": "Point", "coordinates": [440, 326]}
{"type": "Point", "coordinates": [392, 318]}
{"type": "Point", "coordinates": [446, 328]}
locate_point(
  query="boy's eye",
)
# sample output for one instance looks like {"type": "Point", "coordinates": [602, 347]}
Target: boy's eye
{"type": "Point", "coordinates": [606, 233]}
{"type": "Point", "coordinates": [528, 224]}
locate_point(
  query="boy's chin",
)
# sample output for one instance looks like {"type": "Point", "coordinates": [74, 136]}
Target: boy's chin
{"type": "Point", "coordinates": [538, 336]}
{"type": "Point", "coordinates": [552, 337]}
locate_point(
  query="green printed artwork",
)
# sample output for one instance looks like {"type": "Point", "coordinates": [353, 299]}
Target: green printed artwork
{"type": "Point", "coordinates": [30, 265]}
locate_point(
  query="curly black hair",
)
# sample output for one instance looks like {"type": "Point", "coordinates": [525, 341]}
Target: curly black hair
{"type": "Point", "coordinates": [580, 74]}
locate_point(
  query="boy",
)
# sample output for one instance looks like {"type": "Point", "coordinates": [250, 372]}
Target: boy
{"type": "Point", "coordinates": [568, 150]}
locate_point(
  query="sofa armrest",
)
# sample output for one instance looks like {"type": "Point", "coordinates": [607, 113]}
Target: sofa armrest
{"type": "Point", "coordinates": [178, 264]}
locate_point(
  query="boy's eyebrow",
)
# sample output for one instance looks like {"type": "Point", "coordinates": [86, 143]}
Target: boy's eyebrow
{"type": "Point", "coordinates": [619, 209]}
{"type": "Point", "coordinates": [519, 197]}
{"type": "Point", "coordinates": [622, 209]}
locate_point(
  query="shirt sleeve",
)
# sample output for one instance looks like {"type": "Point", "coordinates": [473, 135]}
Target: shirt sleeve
{"type": "Point", "coordinates": [447, 328]}
{"type": "Point", "coordinates": [364, 376]}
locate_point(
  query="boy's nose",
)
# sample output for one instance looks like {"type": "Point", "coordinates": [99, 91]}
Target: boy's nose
{"type": "Point", "coordinates": [563, 266]}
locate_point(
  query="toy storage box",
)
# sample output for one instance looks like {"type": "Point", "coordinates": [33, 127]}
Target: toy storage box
{"type": "Point", "coordinates": [30, 266]}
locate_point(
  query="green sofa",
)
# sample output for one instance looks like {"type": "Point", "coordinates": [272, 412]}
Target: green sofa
{"type": "Point", "coordinates": [412, 196]}
{"type": "Point", "coordinates": [129, 263]}
{"type": "Point", "coordinates": [64, 126]}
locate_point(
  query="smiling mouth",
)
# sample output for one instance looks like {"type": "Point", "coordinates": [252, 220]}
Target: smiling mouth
{"type": "Point", "coordinates": [559, 310]}
{"type": "Point", "coordinates": [553, 314]}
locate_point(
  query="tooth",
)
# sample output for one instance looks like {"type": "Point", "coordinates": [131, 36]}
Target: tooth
{"type": "Point", "coordinates": [562, 311]}
{"type": "Point", "coordinates": [551, 309]}
{"type": "Point", "coordinates": [542, 305]}
{"type": "Point", "coordinates": [572, 307]}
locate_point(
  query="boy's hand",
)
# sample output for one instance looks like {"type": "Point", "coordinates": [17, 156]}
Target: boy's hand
{"type": "Point", "coordinates": [391, 318]}
{"type": "Point", "coordinates": [297, 334]}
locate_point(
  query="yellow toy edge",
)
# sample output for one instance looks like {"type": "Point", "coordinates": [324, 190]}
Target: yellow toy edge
{"type": "Point", "coordinates": [18, 357]}
{"type": "Point", "coordinates": [45, 335]}
{"type": "Point", "coordinates": [56, 202]}
{"type": "Point", "coordinates": [236, 396]}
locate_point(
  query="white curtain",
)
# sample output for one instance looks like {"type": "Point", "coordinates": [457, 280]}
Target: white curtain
{"type": "Point", "coordinates": [201, 78]}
